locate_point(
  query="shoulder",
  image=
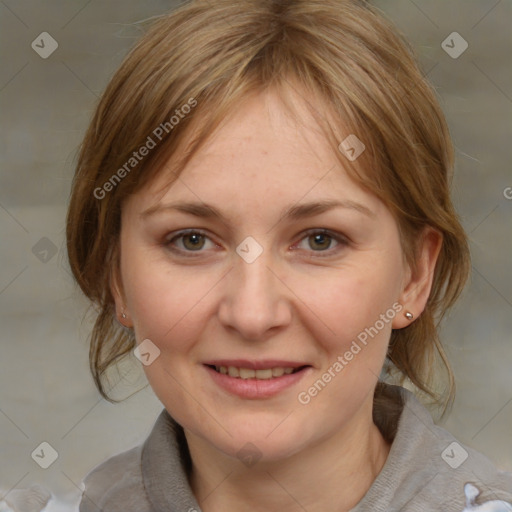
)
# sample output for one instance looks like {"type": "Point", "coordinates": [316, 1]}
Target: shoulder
{"type": "Point", "coordinates": [116, 485]}
{"type": "Point", "coordinates": [151, 476]}
{"type": "Point", "coordinates": [464, 476]}
{"type": "Point", "coordinates": [429, 469]}
{"type": "Point", "coordinates": [450, 473]}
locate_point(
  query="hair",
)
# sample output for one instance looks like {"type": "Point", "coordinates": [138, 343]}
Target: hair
{"type": "Point", "coordinates": [357, 74]}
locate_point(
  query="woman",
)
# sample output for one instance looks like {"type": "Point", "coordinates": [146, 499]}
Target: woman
{"type": "Point", "coordinates": [261, 213]}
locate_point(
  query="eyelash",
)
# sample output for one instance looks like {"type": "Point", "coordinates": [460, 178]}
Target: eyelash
{"type": "Point", "coordinates": [341, 240]}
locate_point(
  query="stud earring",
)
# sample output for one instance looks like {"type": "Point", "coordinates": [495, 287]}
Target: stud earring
{"type": "Point", "coordinates": [408, 315]}
{"type": "Point", "coordinates": [124, 315]}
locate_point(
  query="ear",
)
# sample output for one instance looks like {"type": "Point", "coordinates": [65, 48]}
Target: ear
{"type": "Point", "coordinates": [418, 282]}
{"type": "Point", "coordinates": [116, 288]}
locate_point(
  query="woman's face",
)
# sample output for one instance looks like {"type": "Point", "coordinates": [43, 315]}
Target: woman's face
{"type": "Point", "coordinates": [263, 258]}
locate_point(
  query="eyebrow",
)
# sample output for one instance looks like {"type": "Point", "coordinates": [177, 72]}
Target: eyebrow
{"type": "Point", "coordinates": [293, 212]}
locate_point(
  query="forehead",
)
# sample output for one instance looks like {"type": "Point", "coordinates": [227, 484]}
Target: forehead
{"type": "Point", "coordinates": [266, 153]}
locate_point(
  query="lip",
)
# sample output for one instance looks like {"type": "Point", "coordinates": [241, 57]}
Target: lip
{"type": "Point", "coordinates": [254, 389]}
{"type": "Point", "coordinates": [256, 365]}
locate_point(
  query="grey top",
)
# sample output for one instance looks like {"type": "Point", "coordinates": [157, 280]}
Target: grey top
{"type": "Point", "coordinates": [426, 470]}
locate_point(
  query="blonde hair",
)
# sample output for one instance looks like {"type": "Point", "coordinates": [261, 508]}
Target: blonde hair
{"type": "Point", "coordinates": [342, 54]}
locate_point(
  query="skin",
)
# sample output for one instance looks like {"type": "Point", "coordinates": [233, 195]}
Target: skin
{"type": "Point", "coordinates": [303, 298]}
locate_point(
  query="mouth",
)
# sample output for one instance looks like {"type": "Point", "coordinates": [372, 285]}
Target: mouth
{"type": "Point", "coordinates": [256, 379]}
{"type": "Point", "coordinates": [238, 372]}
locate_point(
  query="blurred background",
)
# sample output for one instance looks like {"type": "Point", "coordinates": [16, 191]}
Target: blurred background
{"type": "Point", "coordinates": [57, 56]}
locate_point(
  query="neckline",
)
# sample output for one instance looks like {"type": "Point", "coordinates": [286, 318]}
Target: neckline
{"type": "Point", "coordinates": [166, 459]}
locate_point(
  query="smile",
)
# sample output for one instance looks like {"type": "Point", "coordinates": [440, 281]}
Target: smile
{"type": "Point", "coordinates": [250, 373]}
{"type": "Point", "coordinates": [256, 380]}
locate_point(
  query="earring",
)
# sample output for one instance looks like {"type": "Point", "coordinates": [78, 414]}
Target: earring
{"type": "Point", "coordinates": [124, 315]}
{"type": "Point", "coordinates": [408, 315]}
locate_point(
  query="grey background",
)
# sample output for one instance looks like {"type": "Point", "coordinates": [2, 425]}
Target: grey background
{"type": "Point", "coordinates": [46, 393]}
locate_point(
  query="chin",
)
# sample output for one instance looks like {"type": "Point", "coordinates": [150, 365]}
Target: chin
{"type": "Point", "coordinates": [263, 450]}
{"type": "Point", "coordinates": [265, 441]}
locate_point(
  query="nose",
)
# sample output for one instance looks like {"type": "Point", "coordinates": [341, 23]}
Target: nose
{"type": "Point", "coordinates": [255, 300]}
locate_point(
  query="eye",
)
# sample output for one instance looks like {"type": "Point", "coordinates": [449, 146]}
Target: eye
{"type": "Point", "coordinates": [322, 240]}
{"type": "Point", "coordinates": [188, 241]}
{"type": "Point", "coordinates": [317, 241]}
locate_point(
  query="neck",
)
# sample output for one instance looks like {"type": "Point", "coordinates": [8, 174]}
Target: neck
{"type": "Point", "coordinates": [334, 474]}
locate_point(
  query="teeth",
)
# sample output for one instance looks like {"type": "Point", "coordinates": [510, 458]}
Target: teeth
{"type": "Point", "coordinates": [246, 373]}
{"type": "Point", "coordinates": [249, 373]}
{"type": "Point", "coordinates": [264, 374]}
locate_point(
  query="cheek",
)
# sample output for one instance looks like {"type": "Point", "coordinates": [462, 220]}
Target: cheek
{"type": "Point", "coordinates": [168, 308]}
{"type": "Point", "coordinates": [164, 303]}
{"type": "Point", "coordinates": [352, 323]}
{"type": "Point", "coordinates": [344, 303]}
